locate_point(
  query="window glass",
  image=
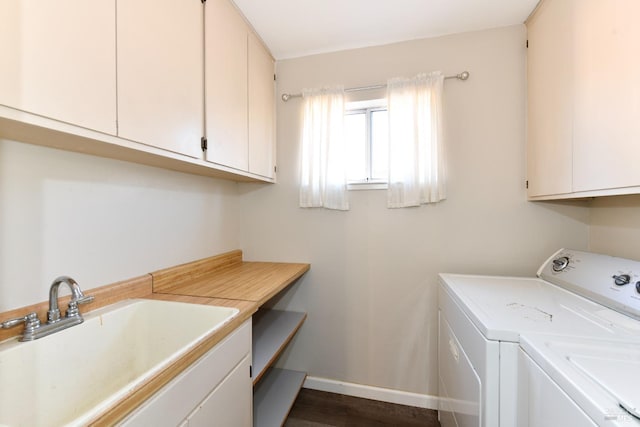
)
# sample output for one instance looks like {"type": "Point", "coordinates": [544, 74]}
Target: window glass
{"type": "Point", "coordinates": [379, 145]}
{"type": "Point", "coordinates": [366, 131]}
{"type": "Point", "coordinates": [355, 127]}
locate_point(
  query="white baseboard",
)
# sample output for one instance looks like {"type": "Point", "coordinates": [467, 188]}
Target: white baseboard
{"type": "Point", "coordinates": [374, 393]}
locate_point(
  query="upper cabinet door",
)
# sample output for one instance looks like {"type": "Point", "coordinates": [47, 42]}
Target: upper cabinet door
{"type": "Point", "coordinates": [550, 99]}
{"type": "Point", "coordinates": [584, 99]}
{"type": "Point", "coordinates": [226, 85]}
{"type": "Point", "coordinates": [160, 73]}
{"type": "Point", "coordinates": [58, 60]}
{"type": "Point", "coordinates": [261, 109]}
{"type": "Point", "coordinates": [607, 103]}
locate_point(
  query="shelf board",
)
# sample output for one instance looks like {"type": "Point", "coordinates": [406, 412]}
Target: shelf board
{"type": "Point", "coordinates": [272, 331]}
{"type": "Point", "coordinates": [273, 397]}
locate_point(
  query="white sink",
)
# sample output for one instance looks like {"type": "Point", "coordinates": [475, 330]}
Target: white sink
{"type": "Point", "coordinates": [71, 376]}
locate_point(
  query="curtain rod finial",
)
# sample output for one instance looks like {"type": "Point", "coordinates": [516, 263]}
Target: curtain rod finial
{"type": "Point", "coordinates": [285, 97]}
{"type": "Point", "coordinates": [463, 75]}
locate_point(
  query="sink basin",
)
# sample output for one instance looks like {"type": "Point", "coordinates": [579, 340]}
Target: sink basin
{"type": "Point", "coordinates": [71, 376]}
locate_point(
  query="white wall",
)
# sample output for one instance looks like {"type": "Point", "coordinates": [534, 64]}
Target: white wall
{"type": "Point", "coordinates": [615, 226]}
{"type": "Point", "coordinates": [100, 220]}
{"type": "Point", "coordinates": [372, 289]}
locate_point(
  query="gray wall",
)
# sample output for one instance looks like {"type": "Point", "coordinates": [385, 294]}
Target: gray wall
{"type": "Point", "coordinates": [100, 220]}
{"type": "Point", "coordinates": [372, 289]}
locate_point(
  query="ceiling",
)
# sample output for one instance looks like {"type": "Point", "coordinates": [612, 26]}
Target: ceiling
{"type": "Point", "coordinates": [293, 28]}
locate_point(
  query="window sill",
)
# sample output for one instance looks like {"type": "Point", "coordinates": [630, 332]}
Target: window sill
{"type": "Point", "coordinates": [367, 186]}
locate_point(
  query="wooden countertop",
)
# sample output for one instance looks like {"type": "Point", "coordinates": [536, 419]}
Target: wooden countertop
{"type": "Point", "coordinates": [228, 276]}
{"type": "Point", "coordinates": [222, 280]}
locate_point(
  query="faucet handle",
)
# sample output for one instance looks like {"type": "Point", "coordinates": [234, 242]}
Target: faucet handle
{"type": "Point", "coordinates": [31, 322]}
{"type": "Point", "coordinates": [84, 299]}
{"type": "Point", "coordinates": [72, 309]}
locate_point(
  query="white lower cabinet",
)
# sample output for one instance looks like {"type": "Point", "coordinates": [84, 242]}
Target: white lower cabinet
{"type": "Point", "coordinates": [229, 404]}
{"type": "Point", "coordinates": [215, 391]}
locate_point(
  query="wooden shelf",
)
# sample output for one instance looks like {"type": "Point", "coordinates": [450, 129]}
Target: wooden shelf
{"type": "Point", "coordinates": [272, 331]}
{"type": "Point", "coordinates": [274, 396]}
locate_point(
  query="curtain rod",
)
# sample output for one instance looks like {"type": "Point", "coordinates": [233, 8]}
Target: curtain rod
{"type": "Point", "coordinates": [287, 96]}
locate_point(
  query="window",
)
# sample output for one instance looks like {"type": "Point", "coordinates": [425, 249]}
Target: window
{"type": "Point", "coordinates": [394, 143]}
{"type": "Point", "coordinates": [367, 138]}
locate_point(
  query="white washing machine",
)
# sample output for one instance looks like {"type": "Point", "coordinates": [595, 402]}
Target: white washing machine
{"type": "Point", "coordinates": [501, 361]}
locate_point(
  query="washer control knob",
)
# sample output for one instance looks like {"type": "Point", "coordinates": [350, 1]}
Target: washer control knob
{"type": "Point", "coordinates": [560, 264]}
{"type": "Point", "coordinates": [638, 287]}
{"type": "Point", "coordinates": [622, 279]}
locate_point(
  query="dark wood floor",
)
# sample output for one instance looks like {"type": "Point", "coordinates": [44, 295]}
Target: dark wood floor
{"type": "Point", "coordinates": [315, 408]}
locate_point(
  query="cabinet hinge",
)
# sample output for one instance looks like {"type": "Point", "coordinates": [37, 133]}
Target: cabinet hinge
{"type": "Point", "coordinates": [274, 77]}
{"type": "Point", "coordinates": [250, 371]}
{"type": "Point", "coordinates": [526, 184]}
{"type": "Point", "coordinates": [527, 44]}
{"type": "Point", "coordinates": [203, 143]}
{"type": "Point", "coordinates": [275, 169]}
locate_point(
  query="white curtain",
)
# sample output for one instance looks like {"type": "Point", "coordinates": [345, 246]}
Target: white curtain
{"type": "Point", "coordinates": [416, 152]}
{"type": "Point", "coordinates": [323, 180]}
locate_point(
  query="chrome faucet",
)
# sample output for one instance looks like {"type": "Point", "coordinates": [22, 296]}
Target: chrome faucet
{"type": "Point", "coordinates": [77, 297]}
{"type": "Point", "coordinates": [33, 329]}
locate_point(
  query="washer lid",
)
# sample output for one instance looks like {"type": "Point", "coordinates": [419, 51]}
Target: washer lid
{"type": "Point", "coordinates": [502, 308]}
{"type": "Point", "coordinates": [601, 376]}
{"type": "Point", "coordinates": [618, 377]}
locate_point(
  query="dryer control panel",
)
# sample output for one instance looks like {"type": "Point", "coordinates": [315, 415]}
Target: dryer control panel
{"type": "Point", "coordinates": [611, 281]}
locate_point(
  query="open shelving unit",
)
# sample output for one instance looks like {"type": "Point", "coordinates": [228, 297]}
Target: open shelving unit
{"type": "Point", "coordinates": [274, 396]}
{"type": "Point", "coordinates": [274, 390]}
{"type": "Point", "coordinates": [228, 276]}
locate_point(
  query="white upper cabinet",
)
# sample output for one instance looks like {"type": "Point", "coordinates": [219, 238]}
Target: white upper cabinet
{"type": "Point", "coordinates": [607, 95]}
{"type": "Point", "coordinates": [550, 98]}
{"type": "Point", "coordinates": [583, 99]}
{"type": "Point", "coordinates": [141, 81]}
{"type": "Point", "coordinates": [226, 96]}
{"type": "Point", "coordinates": [240, 93]}
{"type": "Point", "coordinates": [261, 109]}
{"type": "Point", "coordinates": [160, 73]}
{"type": "Point", "coordinates": [58, 58]}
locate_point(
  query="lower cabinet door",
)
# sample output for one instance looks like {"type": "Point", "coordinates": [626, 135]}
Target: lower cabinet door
{"type": "Point", "coordinates": [189, 391]}
{"type": "Point", "coordinates": [229, 404]}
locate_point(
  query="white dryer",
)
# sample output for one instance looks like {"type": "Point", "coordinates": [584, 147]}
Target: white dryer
{"type": "Point", "coordinates": [489, 370]}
